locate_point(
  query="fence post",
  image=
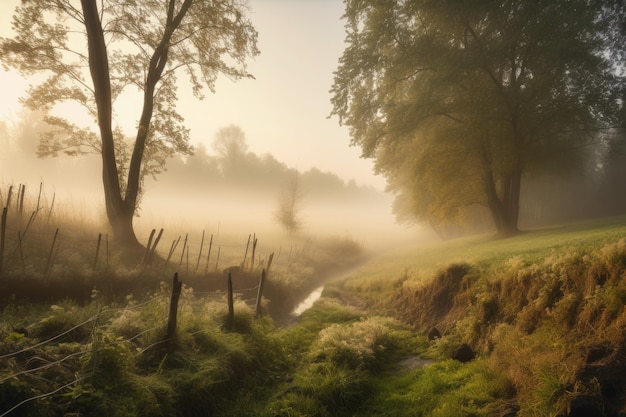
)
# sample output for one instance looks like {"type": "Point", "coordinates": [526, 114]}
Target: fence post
{"type": "Point", "coordinates": [269, 262]}
{"type": "Point", "coordinates": [39, 197]}
{"type": "Point", "coordinates": [95, 260]}
{"type": "Point", "coordinates": [182, 255]}
{"type": "Point", "coordinates": [245, 255]}
{"type": "Point", "coordinates": [173, 314]}
{"type": "Point", "coordinates": [3, 229]}
{"type": "Point", "coordinates": [21, 199]}
{"type": "Point", "coordinates": [217, 262]}
{"type": "Point", "coordinates": [8, 205]}
{"type": "Point", "coordinates": [49, 261]}
{"type": "Point", "coordinates": [148, 246]}
{"type": "Point", "coordinates": [172, 249]}
{"type": "Point", "coordinates": [51, 207]}
{"type": "Point", "coordinates": [259, 296]}
{"type": "Point", "coordinates": [231, 304]}
{"type": "Point", "coordinates": [254, 242]}
{"type": "Point", "coordinates": [208, 256]}
{"type": "Point", "coordinates": [154, 246]}
{"type": "Point", "coordinates": [200, 253]}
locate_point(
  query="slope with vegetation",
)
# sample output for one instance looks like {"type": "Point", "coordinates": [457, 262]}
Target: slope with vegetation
{"type": "Point", "coordinates": [543, 313]}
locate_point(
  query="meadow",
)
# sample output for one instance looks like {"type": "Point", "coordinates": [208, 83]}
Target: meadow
{"type": "Point", "coordinates": [542, 312]}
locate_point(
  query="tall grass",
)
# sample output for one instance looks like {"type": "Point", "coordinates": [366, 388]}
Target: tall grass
{"type": "Point", "coordinates": [533, 307]}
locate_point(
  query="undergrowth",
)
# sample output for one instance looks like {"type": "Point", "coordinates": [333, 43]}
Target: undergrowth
{"type": "Point", "coordinates": [545, 319]}
{"type": "Point", "coordinates": [551, 323]}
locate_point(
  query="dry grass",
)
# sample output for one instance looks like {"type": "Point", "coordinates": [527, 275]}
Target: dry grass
{"type": "Point", "coordinates": [538, 306]}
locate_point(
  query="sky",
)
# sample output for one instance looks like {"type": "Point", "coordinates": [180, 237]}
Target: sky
{"type": "Point", "coordinates": [284, 110]}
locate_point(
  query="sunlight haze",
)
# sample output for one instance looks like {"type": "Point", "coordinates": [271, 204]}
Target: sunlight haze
{"type": "Point", "coordinates": [284, 110]}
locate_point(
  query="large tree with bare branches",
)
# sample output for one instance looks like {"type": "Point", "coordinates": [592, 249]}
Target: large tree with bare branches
{"type": "Point", "coordinates": [93, 52]}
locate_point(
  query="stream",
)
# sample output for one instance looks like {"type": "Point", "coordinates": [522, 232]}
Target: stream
{"type": "Point", "coordinates": [315, 295]}
{"type": "Point", "coordinates": [307, 302]}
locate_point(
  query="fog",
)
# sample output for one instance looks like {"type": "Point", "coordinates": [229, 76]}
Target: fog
{"type": "Point", "coordinates": [202, 193]}
{"type": "Point", "coordinates": [232, 195]}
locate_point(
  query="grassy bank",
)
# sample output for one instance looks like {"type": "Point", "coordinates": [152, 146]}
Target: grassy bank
{"type": "Point", "coordinates": [543, 311]}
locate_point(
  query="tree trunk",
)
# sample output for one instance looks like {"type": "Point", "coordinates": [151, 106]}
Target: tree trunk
{"type": "Point", "coordinates": [504, 209]}
{"type": "Point", "coordinates": [119, 213]}
{"type": "Point", "coordinates": [512, 205]}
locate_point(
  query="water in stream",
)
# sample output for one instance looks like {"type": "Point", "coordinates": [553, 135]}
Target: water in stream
{"type": "Point", "coordinates": [308, 302]}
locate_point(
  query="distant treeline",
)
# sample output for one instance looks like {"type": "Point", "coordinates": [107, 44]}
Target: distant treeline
{"type": "Point", "coordinates": [229, 165]}
{"type": "Point", "coordinates": [252, 173]}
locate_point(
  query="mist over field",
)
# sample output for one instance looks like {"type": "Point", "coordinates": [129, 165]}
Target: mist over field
{"type": "Point", "coordinates": [240, 193]}
{"type": "Point", "coordinates": [201, 192]}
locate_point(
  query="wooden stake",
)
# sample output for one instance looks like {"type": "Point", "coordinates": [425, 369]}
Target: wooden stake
{"type": "Point", "coordinates": [200, 253]}
{"type": "Point", "coordinates": [269, 262]}
{"type": "Point", "coordinates": [154, 246]}
{"type": "Point", "coordinates": [231, 303]}
{"type": "Point", "coordinates": [51, 206]}
{"type": "Point", "coordinates": [8, 205]}
{"type": "Point", "coordinates": [243, 264]}
{"type": "Point", "coordinates": [49, 261]}
{"type": "Point", "coordinates": [39, 197]}
{"type": "Point", "coordinates": [21, 199]}
{"type": "Point", "coordinates": [173, 314]}
{"type": "Point", "coordinates": [254, 242]}
{"type": "Point", "coordinates": [259, 295]}
{"type": "Point", "coordinates": [30, 221]}
{"type": "Point", "coordinates": [219, 249]}
{"type": "Point", "coordinates": [208, 256]}
{"type": "Point", "coordinates": [95, 260]}
{"type": "Point", "coordinates": [172, 249]}
{"type": "Point", "coordinates": [182, 255]}
{"type": "Point", "coordinates": [148, 246]}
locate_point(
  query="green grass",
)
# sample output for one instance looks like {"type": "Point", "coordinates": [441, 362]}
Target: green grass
{"type": "Point", "coordinates": [531, 306]}
{"type": "Point", "coordinates": [447, 388]}
{"type": "Point", "coordinates": [489, 252]}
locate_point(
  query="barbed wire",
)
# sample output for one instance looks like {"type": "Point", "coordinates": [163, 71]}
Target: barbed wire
{"type": "Point", "coordinates": [48, 365]}
{"type": "Point", "coordinates": [89, 320]}
{"type": "Point", "coordinates": [45, 394]}
{"type": "Point", "coordinates": [87, 349]}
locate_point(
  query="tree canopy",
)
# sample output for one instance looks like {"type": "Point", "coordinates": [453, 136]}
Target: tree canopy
{"type": "Point", "coordinates": [458, 100]}
{"type": "Point", "coordinates": [93, 53]}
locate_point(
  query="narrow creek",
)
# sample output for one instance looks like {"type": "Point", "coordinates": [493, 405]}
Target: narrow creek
{"type": "Point", "coordinates": [315, 295]}
{"type": "Point", "coordinates": [307, 302]}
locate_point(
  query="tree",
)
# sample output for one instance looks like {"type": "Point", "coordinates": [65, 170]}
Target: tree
{"type": "Point", "coordinates": [288, 212]}
{"type": "Point", "coordinates": [458, 100]}
{"type": "Point", "coordinates": [231, 147]}
{"type": "Point", "coordinates": [124, 45]}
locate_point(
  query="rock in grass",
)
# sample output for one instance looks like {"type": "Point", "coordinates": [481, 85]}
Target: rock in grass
{"type": "Point", "coordinates": [464, 353]}
{"type": "Point", "coordinates": [433, 334]}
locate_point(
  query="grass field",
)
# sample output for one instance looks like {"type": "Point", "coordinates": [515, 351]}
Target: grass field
{"type": "Point", "coordinates": [492, 253]}
{"type": "Point", "coordinates": [543, 313]}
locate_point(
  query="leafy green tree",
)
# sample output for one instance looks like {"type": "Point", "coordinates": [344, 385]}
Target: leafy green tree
{"type": "Point", "coordinates": [94, 51]}
{"type": "Point", "coordinates": [458, 100]}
